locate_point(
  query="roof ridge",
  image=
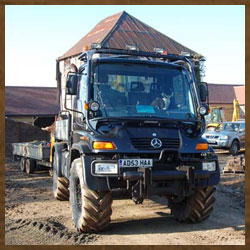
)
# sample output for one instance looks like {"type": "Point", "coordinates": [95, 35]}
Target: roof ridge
{"type": "Point", "coordinates": [112, 30]}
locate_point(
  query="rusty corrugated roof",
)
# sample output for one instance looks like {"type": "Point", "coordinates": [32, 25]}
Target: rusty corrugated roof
{"type": "Point", "coordinates": [30, 101]}
{"type": "Point", "coordinates": [122, 29]}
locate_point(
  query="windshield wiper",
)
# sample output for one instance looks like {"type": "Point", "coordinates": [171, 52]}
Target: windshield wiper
{"type": "Point", "coordinates": [100, 96]}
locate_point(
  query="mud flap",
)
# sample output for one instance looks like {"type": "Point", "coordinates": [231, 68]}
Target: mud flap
{"type": "Point", "coordinates": [58, 157]}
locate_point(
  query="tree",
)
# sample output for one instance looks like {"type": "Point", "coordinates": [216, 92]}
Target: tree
{"type": "Point", "coordinates": [199, 67]}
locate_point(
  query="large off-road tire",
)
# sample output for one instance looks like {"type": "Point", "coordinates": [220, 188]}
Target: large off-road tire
{"type": "Point", "coordinates": [30, 166]}
{"type": "Point", "coordinates": [195, 208]}
{"type": "Point", "coordinates": [23, 164]}
{"type": "Point", "coordinates": [233, 150]}
{"type": "Point", "coordinates": [60, 185]}
{"type": "Point", "coordinates": [91, 210]}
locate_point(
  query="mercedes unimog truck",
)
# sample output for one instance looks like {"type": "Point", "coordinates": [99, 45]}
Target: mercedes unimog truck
{"type": "Point", "coordinates": [132, 121]}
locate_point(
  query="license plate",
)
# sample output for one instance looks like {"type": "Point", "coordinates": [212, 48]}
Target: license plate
{"type": "Point", "coordinates": [136, 163]}
{"type": "Point", "coordinates": [211, 141]}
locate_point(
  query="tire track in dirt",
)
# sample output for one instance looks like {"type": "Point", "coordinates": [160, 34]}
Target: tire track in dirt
{"type": "Point", "coordinates": [50, 228]}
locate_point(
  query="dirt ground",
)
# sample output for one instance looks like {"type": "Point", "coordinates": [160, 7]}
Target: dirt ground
{"type": "Point", "coordinates": [34, 217]}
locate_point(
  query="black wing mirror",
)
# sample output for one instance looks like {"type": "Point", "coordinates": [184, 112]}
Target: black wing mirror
{"type": "Point", "coordinates": [71, 84]}
{"type": "Point", "coordinates": [203, 91]}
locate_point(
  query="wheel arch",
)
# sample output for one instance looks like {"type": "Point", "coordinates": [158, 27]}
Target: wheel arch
{"type": "Point", "coordinates": [75, 153]}
{"type": "Point", "coordinates": [237, 140]}
{"type": "Point", "coordinates": [79, 150]}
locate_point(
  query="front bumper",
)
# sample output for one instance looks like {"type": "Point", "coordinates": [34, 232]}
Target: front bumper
{"type": "Point", "coordinates": [217, 143]}
{"type": "Point", "coordinates": [161, 178]}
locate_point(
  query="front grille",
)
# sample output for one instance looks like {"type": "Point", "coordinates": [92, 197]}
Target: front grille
{"type": "Point", "coordinates": [212, 136]}
{"type": "Point", "coordinates": [145, 143]}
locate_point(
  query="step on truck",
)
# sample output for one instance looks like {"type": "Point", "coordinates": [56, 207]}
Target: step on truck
{"type": "Point", "coordinates": [132, 121]}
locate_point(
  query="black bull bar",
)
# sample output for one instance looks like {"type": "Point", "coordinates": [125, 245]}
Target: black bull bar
{"type": "Point", "coordinates": [146, 176]}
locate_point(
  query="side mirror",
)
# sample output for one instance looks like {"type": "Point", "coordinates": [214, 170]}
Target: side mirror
{"type": "Point", "coordinates": [71, 84]}
{"type": "Point", "coordinates": [242, 130]}
{"type": "Point", "coordinates": [203, 91]}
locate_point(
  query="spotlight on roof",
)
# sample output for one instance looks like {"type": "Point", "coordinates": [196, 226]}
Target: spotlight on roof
{"type": "Point", "coordinates": [183, 53]}
{"type": "Point", "coordinates": [96, 45]}
{"type": "Point", "coordinates": [160, 51]}
{"type": "Point", "coordinates": [131, 47]}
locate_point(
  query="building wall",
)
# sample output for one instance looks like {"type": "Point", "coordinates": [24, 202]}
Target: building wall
{"type": "Point", "coordinates": [26, 119]}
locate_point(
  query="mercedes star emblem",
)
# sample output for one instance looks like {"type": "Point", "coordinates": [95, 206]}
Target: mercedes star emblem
{"type": "Point", "coordinates": [156, 143]}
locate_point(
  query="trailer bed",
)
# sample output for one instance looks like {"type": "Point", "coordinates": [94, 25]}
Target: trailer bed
{"type": "Point", "coordinates": [37, 150]}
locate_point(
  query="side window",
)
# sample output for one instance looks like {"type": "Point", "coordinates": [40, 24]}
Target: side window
{"type": "Point", "coordinates": [82, 87]}
{"type": "Point", "coordinates": [242, 126]}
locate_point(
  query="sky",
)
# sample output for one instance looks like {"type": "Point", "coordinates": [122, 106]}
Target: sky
{"type": "Point", "coordinates": [36, 35]}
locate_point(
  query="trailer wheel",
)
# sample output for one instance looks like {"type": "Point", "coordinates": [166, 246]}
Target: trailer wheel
{"type": "Point", "coordinates": [195, 208]}
{"type": "Point", "coordinates": [60, 184]}
{"type": "Point", "coordinates": [30, 166]}
{"type": "Point", "coordinates": [22, 164]}
{"type": "Point", "coordinates": [91, 210]}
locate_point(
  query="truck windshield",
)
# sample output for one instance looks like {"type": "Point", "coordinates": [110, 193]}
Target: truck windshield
{"type": "Point", "coordinates": [142, 90]}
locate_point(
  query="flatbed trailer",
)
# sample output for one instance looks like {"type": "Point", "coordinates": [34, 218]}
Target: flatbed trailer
{"type": "Point", "coordinates": [32, 155]}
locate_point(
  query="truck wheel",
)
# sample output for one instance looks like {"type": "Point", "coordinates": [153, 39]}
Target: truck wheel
{"type": "Point", "coordinates": [60, 185]}
{"type": "Point", "coordinates": [234, 148]}
{"type": "Point", "coordinates": [30, 166]}
{"type": "Point", "coordinates": [23, 164]}
{"type": "Point", "coordinates": [91, 210]}
{"type": "Point", "coordinates": [195, 208]}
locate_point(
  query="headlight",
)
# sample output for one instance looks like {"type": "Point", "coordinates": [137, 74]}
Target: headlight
{"type": "Point", "coordinates": [210, 166]}
{"type": "Point", "coordinates": [94, 106]}
{"type": "Point", "coordinates": [224, 137]}
{"type": "Point", "coordinates": [106, 168]}
{"type": "Point", "coordinates": [203, 109]}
